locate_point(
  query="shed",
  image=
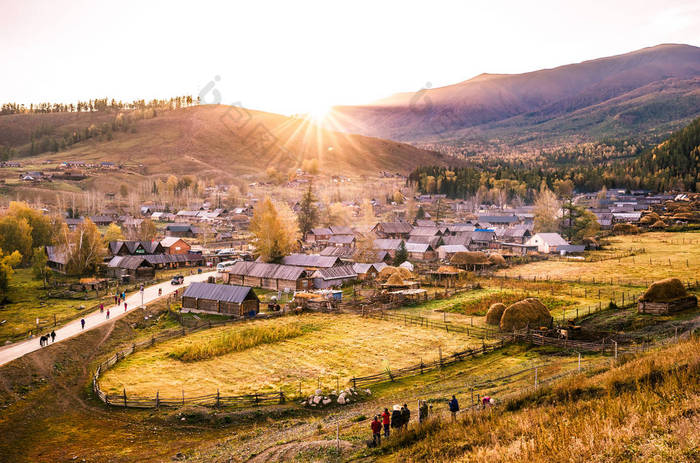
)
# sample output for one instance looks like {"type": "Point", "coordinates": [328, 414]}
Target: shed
{"type": "Point", "coordinates": [221, 299]}
{"type": "Point", "coordinates": [334, 276]}
{"type": "Point", "coordinates": [269, 276]}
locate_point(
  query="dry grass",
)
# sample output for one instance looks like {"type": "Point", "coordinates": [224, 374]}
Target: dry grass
{"type": "Point", "coordinates": [682, 250]}
{"type": "Point", "coordinates": [340, 346]}
{"type": "Point", "coordinates": [236, 341]}
{"type": "Point", "coordinates": [645, 410]}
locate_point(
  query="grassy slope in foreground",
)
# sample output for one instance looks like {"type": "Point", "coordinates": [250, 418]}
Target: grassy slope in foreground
{"type": "Point", "coordinates": [644, 410]}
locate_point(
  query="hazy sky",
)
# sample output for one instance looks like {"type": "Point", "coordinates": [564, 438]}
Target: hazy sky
{"type": "Point", "coordinates": [300, 56]}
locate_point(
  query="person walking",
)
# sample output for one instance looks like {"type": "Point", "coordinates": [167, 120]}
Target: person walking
{"type": "Point", "coordinates": [454, 408]}
{"type": "Point", "coordinates": [396, 418]}
{"type": "Point", "coordinates": [160, 291]}
{"type": "Point", "coordinates": [376, 431]}
{"type": "Point", "coordinates": [107, 317]}
{"type": "Point", "coordinates": [386, 417]}
{"type": "Point", "coordinates": [405, 416]}
{"type": "Point", "coordinates": [125, 307]}
{"type": "Point", "coordinates": [116, 299]}
{"type": "Point", "coordinates": [102, 308]}
{"type": "Point", "coordinates": [42, 341]}
{"type": "Point", "coordinates": [53, 336]}
{"type": "Point", "coordinates": [82, 323]}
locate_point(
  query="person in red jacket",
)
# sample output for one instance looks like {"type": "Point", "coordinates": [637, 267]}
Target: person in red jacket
{"type": "Point", "coordinates": [386, 421]}
{"type": "Point", "coordinates": [376, 431]}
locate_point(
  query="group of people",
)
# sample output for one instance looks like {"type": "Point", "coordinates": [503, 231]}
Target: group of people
{"type": "Point", "coordinates": [44, 339]}
{"type": "Point", "coordinates": [397, 420]}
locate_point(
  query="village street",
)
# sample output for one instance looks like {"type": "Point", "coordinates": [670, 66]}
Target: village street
{"type": "Point", "coordinates": [92, 320]}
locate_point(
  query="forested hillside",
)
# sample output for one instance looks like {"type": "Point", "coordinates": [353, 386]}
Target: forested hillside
{"type": "Point", "coordinates": [672, 165]}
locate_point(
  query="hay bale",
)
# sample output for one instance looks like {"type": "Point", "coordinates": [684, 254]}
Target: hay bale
{"type": "Point", "coordinates": [493, 316]}
{"type": "Point", "coordinates": [649, 218]}
{"type": "Point", "coordinates": [659, 224]}
{"type": "Point", "coordinates": [404, 273]}
{"type": "Point", "coordinates": [625, 229]}
{"type": "Point", "coordinates": [529, 312]}
{"type": "Point", "coordinates": [469, 258]}
{"type": "Point", "coordinates": [664, 291]}
{"type": "Point", "coordinates": [498, 260]}
{"type": "Point", "coordinates": [386, 272]}
{"type": "Point", "coordinates": [395, 280]}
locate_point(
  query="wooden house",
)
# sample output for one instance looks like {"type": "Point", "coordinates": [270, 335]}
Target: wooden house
{"type": "Point", "coordinates": [135, 248]}
{"type": "Point", "coordinates": [220, 299]}
{"type": "Point", "coordinates": [333, 276]}
{"type": "Point", "coordinates": [269, 276]}
{"type": "Point", "coordinates": [134, 266]}
{"type": "Point", "coordinates": [392, 230]}
{"type": "Point", "coordinates": [175, 245]}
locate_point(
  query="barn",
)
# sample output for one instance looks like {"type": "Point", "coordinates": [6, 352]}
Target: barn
{"type": "Point", "coordinates": [333, 277]}
{"type": "Point", "coordinates": [269, 276]}
{"type": "Point", "coordinates": [220, 299]}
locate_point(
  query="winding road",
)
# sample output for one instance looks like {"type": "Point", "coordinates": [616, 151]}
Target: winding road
{"type": "Point", "coordinates": [14, 351]}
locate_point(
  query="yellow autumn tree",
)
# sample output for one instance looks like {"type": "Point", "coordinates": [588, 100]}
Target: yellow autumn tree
{"type": "Point", "coordinates": [274, 233]}
{"type": "Point", "coordinates": [113, 233]}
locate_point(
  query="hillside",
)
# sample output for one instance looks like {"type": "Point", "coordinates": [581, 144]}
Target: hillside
{"type": "Point", "coordinates": [645, 92]}
{"type": "Point", "coordinates": [215, 141]}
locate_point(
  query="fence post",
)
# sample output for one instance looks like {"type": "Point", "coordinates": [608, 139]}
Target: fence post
{"type": "Point", "coordinates": [124, 397]}
{"type": "Point", "coordinates": [183, 397]}
{"type": "Point", "coordinates": [218, 398]}
{"type": "Point", "coordinates": [535, 377]}
{"type": "Point", "coordinates": [354, 382]}
{"type": "Point", "coordinates": [281, 396]}
{"type": "Point", "coordinates": [157, 399]}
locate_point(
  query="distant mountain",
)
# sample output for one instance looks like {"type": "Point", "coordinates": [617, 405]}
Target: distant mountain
{"type": "Point", "coordinates": [217, 142]}
{"type": "Point", "coordinates": [646, 92]}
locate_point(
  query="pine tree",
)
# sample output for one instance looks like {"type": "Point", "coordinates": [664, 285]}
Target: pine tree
{"type": "Point", "coordinates": [308, 212]}
{"type": "Point", "coordinates": [401, 255]}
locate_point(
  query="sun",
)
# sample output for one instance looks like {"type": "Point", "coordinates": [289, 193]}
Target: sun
{"type": "Point", "coordinates": [318, 113]}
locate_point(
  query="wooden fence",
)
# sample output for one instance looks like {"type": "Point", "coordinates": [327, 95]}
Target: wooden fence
{"type": "Point", "coordinates": [129, 401]}
{"type": "Point", "coordinates": [449, 327]}
{"type": "Point", "coordinates": [422, 367]}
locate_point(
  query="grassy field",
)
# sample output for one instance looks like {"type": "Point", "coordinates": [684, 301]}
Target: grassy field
{"type": "Point", "coordinates": [28, 301]}
{"type": "Point", "coordinates": [335, 346]}
{"type": "Point", "coordinates": [664, 255]}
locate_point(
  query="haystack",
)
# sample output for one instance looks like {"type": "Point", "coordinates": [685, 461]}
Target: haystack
{"type": "Point", "coordinates": [625, 229]}
{"type": "Point", "coordinates": [395, 280]}
{"type": "Point", "coordinates": [650, 218]}
{"type": "Point", "coordinates": [404, 273]}
{"type": "Point", "coordinates": [659, 224]}
{"type": "Point", "coordinates": [386, 272]}
{"type": "Point", "coordinates": [493, 316]}
{"type": "Point", "coordinates": [469, 258]}
{"type": "Point", "coordinates": [498, 260]}
{"type": "Point", "coordinates": [664, 291]}
{"type": "Point", "coordinates": [529, 312]}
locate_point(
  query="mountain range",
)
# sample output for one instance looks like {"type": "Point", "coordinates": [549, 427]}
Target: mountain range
{"type": "Point", "coordinates": [645, 93]}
